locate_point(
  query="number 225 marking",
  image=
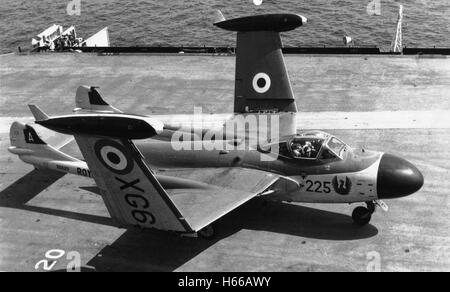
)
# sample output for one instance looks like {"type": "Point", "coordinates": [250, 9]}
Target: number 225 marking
{"type": "Point", "coordinates": [318, 186]}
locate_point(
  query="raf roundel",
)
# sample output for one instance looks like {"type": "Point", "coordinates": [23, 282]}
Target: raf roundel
{"type": "Point", "coordinates": [261, 82]}
{"type": "Point", "coordinates": [113, 156]}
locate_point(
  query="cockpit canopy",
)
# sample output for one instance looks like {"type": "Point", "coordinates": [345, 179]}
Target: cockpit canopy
{"type": "Point", "coordinates": [314, 145]}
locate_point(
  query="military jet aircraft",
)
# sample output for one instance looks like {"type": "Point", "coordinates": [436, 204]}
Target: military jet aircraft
{"type": "Point", "coordinates": [159, 171]}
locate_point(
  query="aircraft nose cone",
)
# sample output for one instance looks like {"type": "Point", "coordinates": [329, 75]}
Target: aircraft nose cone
{"type": "Point", "coordinates": [397, 177]}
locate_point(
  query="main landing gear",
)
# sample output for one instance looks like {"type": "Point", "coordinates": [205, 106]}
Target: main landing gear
{"type": "Point", "coordinates": [362, 215]}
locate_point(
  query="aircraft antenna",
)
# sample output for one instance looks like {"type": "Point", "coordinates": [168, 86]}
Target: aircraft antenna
{"type": "Point", "coordinates": [397, 42]}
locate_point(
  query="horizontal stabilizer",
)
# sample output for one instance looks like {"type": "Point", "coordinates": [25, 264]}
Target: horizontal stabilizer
{"type": "Point", "coordinates": [267, 22]}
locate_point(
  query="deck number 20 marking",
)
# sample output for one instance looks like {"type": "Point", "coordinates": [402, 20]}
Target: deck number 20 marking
{"type": "Point", "coordinates": [51, 257]}
{"type": "Point", "coordinates": [318, 186]}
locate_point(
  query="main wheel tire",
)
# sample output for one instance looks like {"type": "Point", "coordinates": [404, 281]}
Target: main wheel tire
{"type": "Point", "coordinates": [361, 216]}
{"type": "Point", "coordinates": [207, 232]}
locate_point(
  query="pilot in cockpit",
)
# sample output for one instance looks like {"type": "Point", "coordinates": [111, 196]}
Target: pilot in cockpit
{"type": "Point", "coordinates": [307, 150]}
{"type": "Point", "coordinates": [296, 149]}
{"type": "Point", "coordinates": [303, 151]}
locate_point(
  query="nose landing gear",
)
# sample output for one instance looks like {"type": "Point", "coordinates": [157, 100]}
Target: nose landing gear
{"type": "Point", "coordinates": [362, 215]}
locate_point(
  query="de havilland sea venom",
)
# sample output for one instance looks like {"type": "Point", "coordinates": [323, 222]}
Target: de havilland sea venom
{"type": "Point", "coordinates": [147, 180]}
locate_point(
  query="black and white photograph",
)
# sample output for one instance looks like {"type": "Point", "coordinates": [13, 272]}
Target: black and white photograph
{"type": "Point", "coordinates": [223, 137]}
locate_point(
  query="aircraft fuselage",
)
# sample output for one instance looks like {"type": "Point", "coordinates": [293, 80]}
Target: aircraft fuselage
{"type": "Point", "coordinates": [358, 175]}
{"type": "Point", "coordinates": [353, 179]}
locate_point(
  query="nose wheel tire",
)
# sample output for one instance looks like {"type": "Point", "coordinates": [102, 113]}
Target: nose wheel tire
{"type": "Point", "coordinates": [207, 232]}
{"type": "Point", "coordinates": [361, 215]}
